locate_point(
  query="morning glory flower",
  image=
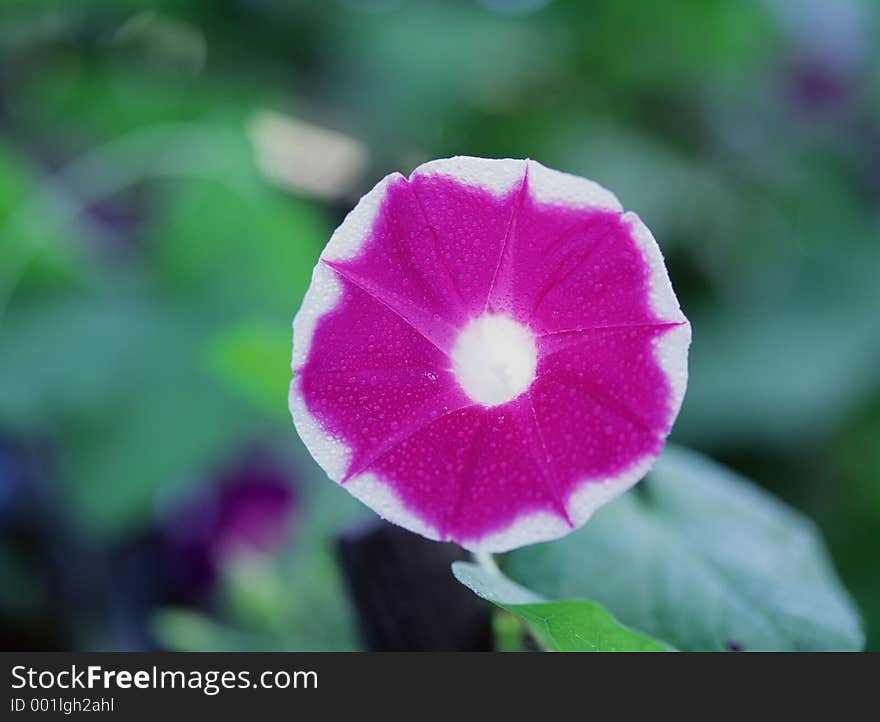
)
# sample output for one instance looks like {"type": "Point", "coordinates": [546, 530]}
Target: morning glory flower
{"type": "Point", "coordinates": [488, 352]}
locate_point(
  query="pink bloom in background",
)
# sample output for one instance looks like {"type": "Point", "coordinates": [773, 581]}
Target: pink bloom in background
{"type": "Point", "coordinates": [489, 351]}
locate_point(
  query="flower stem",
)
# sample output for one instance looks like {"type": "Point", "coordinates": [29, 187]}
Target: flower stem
{"type": "Point", "coordinates": [487, 562]}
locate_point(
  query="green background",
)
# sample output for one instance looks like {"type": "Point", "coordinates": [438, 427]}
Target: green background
{"type": "Point", "coordinates": [150, 266]}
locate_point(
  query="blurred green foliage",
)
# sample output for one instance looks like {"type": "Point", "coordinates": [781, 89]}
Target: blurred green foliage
{"type": "Point", "coordinates": [149, 268]}
{"type": "Point", "coordinates": [699, 558]}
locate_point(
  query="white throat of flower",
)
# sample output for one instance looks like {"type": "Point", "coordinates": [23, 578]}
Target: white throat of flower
{"type": "Point", "coordinates": [494, 359]}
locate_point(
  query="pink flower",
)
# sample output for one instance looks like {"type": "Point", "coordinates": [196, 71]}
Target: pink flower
{"type": "Point", "coordinates": [489, 351]}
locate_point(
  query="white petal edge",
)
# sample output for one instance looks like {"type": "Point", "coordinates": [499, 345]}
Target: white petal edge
{"type": "Point", "coordinates": [661, 296]}
{"type": "Point", "coordinates": [496, 175]}
{"type": "Point", "coordinates": [355, 229]}
{"type": "Point", "coordinates": [526, 529]}
{"type": "Point", "coordinates": [671, 347]}
{"type": "Point", "coordinates": [322, 296]}
{"type": "Point", "coordinates": [671, 353]}
{"type": "Point", "coordinates": [331, 453]}
{"type": "Point", "coordinates": [501, 175]}
{"type": "Point", "coordinates": [333, 457]}
{"type": "Point", "coordinates": [555, 187]}
{"type": "Point", "coordinates": [545, 526]}
{"type": "Point", "coordinates": [325, 289]}
{"type": "Point", "coordinates": [382, 499]}
{"type": "Point", "coordinates": [593, 494]}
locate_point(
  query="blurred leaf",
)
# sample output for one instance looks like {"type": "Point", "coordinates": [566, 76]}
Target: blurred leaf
{"type": "Point", "coordinates": [183, 630]}
{"type": "Point", "coordinates": [318, 613]}
{"type": "Point", "coordinates": [65, 355]}
{"type": "Point", "coordinates": [779, 373]}
{"type": "Point", "coordinates": [632, 164]}
{"type": "Point", "coordinates": [254, 591]}
{"type": "Point", "coordinates": [676, 42]}
{"type": "Point", "coordinates": [254, 360]}
{"type": "Point", "coordinates": [35, 244]}
{"type": "Point", "coordinates": [239, 244]}
{"type": "Point", "coordinates": [703, 559]}
{"type": "Point", "coordinates": [568, 626]}
{"type": "Point", "coordinates": [415, 71]}
{"type": "Point", "coordinates": [108, 94]}
{"type": "Point", "coordinates": [119, 378]}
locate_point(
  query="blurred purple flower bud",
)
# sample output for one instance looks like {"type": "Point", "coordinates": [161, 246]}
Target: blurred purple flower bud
{"type": "Point", "coordinates": [248, 509]}
{"type": "Point", "coordinates": [819, 86]}
{"type": "Point", "coordinates": [255, 506]}
{"type": "Point", "coordinates": [831, 46]}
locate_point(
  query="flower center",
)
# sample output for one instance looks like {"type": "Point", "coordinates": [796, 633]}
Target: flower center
{"type": "Point", "coordinates": [494, 359]}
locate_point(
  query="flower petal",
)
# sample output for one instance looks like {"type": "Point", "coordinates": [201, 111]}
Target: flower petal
{"type": "Point", "coordinates": [398, 263]}
{"type": "Point", "coordinates": [473, 476]}
{"type": "Point", "coordinates": [469, 203]}
{"type": "Point", "coordinates": [376, 397]}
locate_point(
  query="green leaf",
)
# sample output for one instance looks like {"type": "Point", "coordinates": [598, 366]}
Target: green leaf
{"type": "Point", "coordinates": [253, 359]}
{"type": "Point", "coordinates": [233, 242]}
{"type": "Point", "coordinates": [767, 392]}
{"type": "Point", "coordinates": [567, 626]}
{"type": "Point", "coordinates": [702, 558]}
{"type": "Point", "coordinates": [41, 235]}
